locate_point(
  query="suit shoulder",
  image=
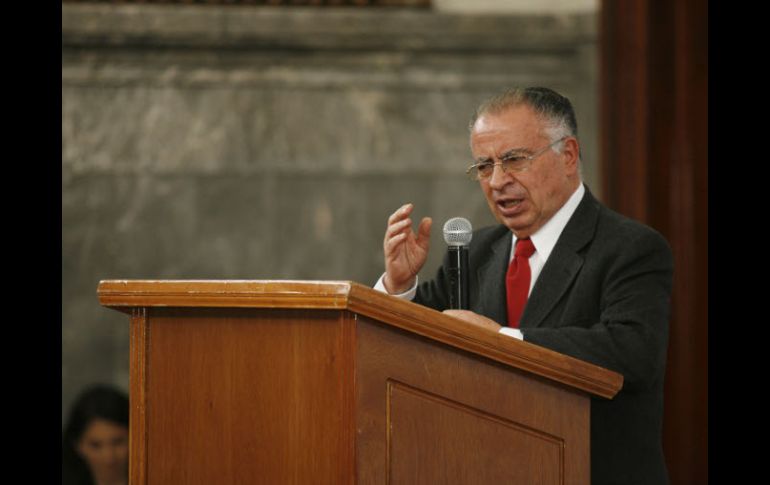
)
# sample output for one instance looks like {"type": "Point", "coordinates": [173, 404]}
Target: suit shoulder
{"type": "Point", "coordinates": [628, 231]}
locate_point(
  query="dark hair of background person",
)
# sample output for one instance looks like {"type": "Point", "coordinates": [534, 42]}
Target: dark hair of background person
{"type": "Point", "coordinates": [99, 401]}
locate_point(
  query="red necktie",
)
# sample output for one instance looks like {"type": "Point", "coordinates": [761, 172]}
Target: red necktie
{"type": "Point", "coordinates": [517, 280]}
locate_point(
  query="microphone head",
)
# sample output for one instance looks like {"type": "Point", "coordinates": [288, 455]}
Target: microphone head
{"type": "Point", "coordinates": [458, 231]}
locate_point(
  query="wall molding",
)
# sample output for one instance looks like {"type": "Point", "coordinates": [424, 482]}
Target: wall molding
{"type": "Point", "coordinates": [308, 28]}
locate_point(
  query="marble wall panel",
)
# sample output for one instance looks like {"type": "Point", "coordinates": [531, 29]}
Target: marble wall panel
{"type": "Point", "coordinates": [254, 143]}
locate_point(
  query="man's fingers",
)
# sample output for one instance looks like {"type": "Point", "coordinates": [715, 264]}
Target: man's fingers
{"type": "Point", "coordinates": [402, 212]}
{"type": "Point", "coordinates": [424, 230]}
{"type": "Point", "coordinates": [397, 228]}
{"type": "Point", "coordinates": [393, 243]}
{"type": "Point", "coordinates": [474, 318]}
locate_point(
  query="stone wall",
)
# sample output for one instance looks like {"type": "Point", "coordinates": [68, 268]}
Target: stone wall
{"type": "Point", "coordinates": [258, 142]}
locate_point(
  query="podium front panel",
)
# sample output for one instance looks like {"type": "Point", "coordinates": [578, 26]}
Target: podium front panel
{"type": "Point", "coordinates": [248, 396]}
{"type": "Point", "coordinates": [430, 413]}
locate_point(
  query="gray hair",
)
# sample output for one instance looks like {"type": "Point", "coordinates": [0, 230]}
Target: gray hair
{"type": "Point", "coordinates": [555, 109]}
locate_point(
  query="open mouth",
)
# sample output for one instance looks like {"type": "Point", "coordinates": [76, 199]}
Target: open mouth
{"type": "Point", "coordinates": [510, 206]}
{"type": "Point", "coordinates": [509, 203]}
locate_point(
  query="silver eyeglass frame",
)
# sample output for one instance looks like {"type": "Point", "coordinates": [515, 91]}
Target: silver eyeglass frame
{"type": "Point", "coordinates": [506, 164]}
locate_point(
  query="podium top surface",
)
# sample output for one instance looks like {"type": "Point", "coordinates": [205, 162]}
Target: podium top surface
{"type": "Point", "coordinates": [125, 295]}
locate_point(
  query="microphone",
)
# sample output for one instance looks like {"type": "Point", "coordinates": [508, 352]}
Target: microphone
{"type": "Point", "coordinates": [457, 234]}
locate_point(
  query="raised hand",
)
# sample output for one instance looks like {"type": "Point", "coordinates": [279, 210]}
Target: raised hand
{"type": "Point", "coordinates": [405, 251]}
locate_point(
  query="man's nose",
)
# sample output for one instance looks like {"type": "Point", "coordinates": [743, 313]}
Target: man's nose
{"type": "Point", "coordinates": [499, 178]}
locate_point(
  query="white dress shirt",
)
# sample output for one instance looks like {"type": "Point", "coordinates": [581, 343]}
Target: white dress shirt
{"type": "Point", "coordinates": [544, 241]}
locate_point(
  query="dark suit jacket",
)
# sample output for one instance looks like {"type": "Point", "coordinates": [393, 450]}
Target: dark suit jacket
{"type": "Point", "coordinates": [603, 297]}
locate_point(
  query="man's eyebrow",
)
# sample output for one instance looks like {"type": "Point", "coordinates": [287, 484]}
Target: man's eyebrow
{"type": "Point", "coordinates": [503, 156]}
{"type": "Point", "coordinates": [513, 151]}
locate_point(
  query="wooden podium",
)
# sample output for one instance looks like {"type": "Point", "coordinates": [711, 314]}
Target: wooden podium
{"type": "Point", "coordinates": [303, 382]}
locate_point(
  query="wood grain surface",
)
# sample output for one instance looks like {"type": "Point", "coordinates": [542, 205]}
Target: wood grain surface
{"type": "Point", "coordinates": [249, 396]}
{"type": "Point", "coordinates": [125, 294]}
{"type": "Point", "coordinates": [267, 382]}
{"type": "Point", "coordinates": [430, 413]}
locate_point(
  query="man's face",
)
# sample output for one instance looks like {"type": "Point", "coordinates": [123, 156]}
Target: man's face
{"type": "Point", "coordinates": [524, 201]}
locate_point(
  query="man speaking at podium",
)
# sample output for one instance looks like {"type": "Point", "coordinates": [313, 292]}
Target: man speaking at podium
{"type": "Point", "coordinates": [561, 271]}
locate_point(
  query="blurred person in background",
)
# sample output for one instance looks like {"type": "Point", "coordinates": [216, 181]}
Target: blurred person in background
{"type": "Point", "coordinates": [95, 439]}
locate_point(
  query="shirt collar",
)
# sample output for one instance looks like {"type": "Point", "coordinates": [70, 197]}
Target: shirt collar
{"type": "Point", "coordinates": [545, 238]}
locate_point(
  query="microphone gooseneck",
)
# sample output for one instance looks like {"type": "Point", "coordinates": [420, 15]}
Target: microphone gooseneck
{"type": "Point", "coordinates": [457, 234]}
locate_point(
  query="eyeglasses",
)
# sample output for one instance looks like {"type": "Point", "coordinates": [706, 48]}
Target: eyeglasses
{"type": "Point", "coordinates": [510, 162]}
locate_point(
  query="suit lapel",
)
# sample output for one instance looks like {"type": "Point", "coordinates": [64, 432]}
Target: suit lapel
{"type": "Point", "coordinates": [491, 280]}
{"type": "Point", "coordinates": [563, 264]}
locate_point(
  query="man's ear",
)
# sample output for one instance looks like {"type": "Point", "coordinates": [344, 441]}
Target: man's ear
{"type": "Point", "coordinates": [571, 151]}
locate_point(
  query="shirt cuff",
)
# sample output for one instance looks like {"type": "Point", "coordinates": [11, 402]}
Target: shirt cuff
{"type": "Point", "coordinates": [407, 295]}
{"type": "Point", "coordinates": [512, 332]}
